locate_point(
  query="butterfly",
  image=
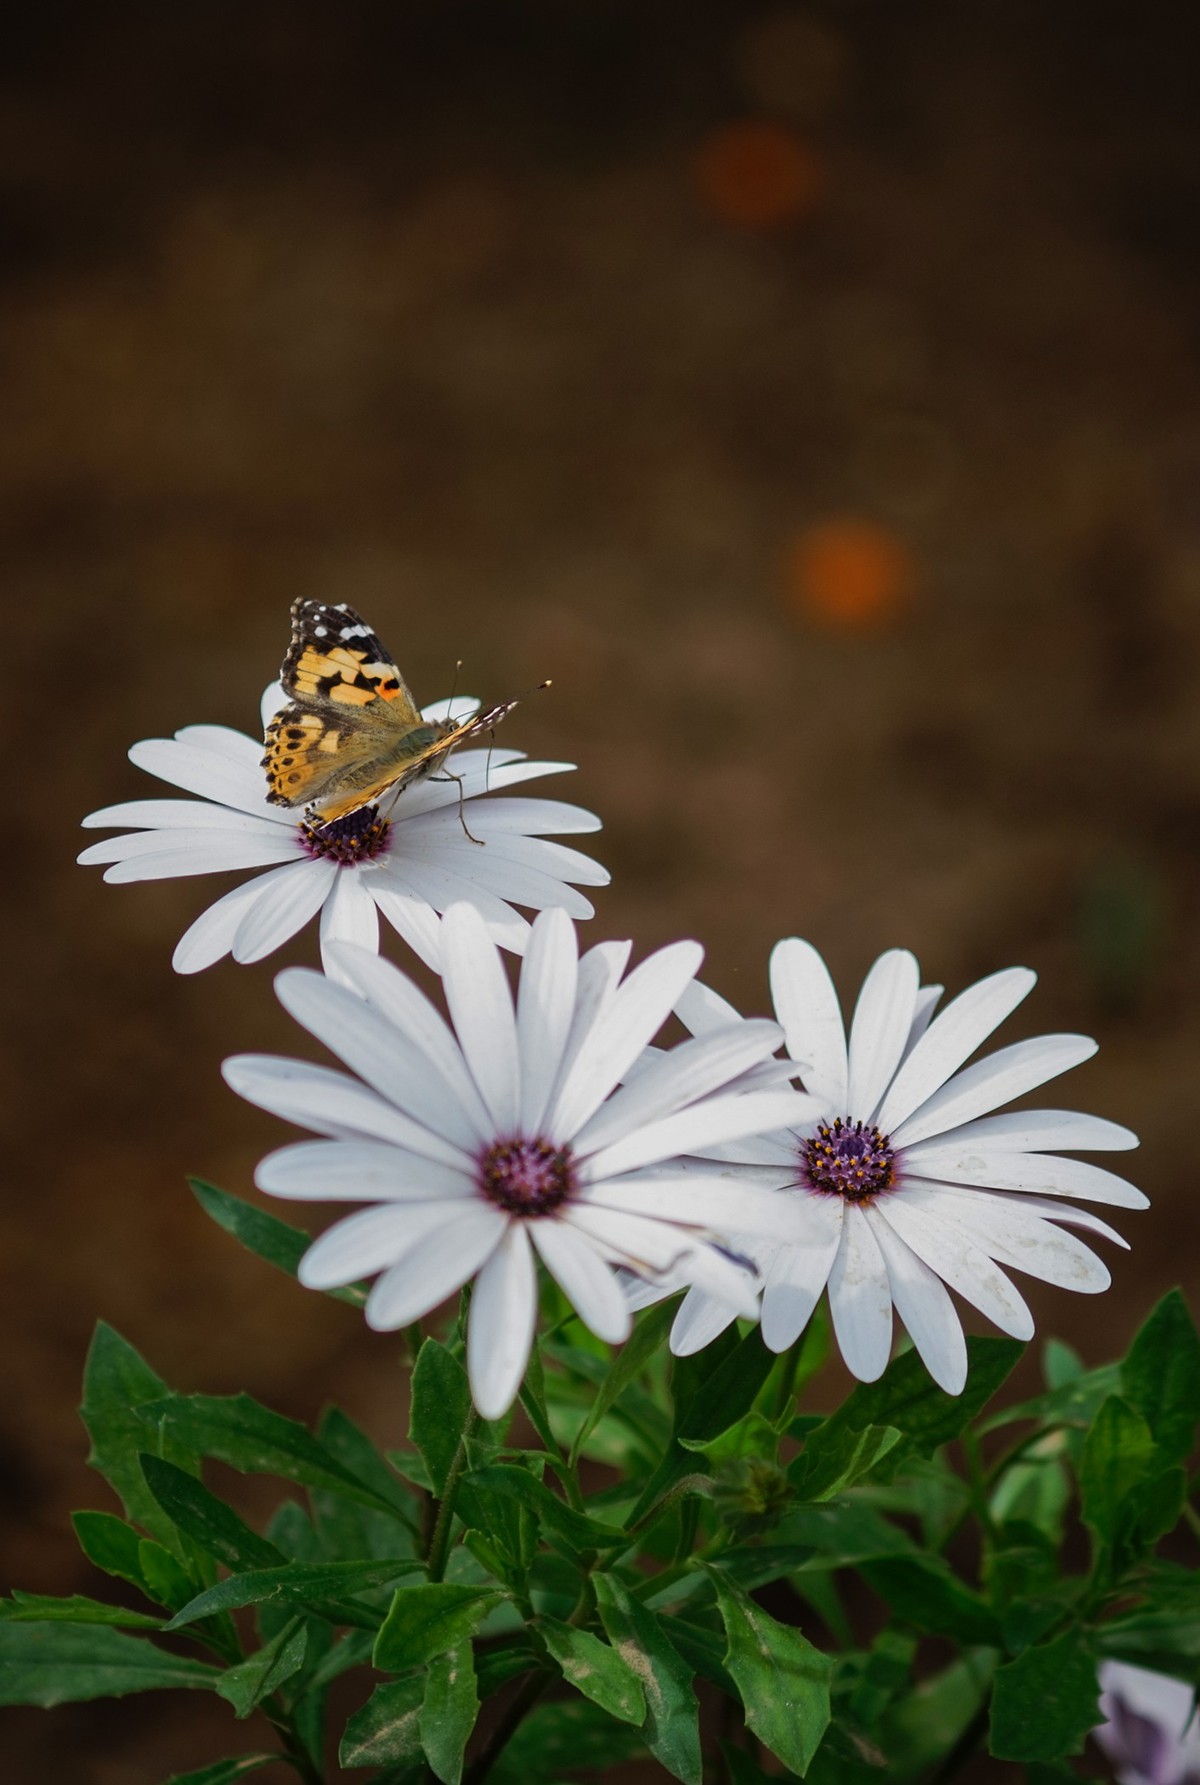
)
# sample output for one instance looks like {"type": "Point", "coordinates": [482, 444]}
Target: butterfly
{"type": "Point", "coordinates": [351, 730]}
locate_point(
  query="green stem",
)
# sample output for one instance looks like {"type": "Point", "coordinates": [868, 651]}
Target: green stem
{"type": "Point", "coordinates": [531, 1689]}
{"type": "Point", "coordinates": [294, 1751]}
{"type": "Point", "coordinates": [443, 1524]}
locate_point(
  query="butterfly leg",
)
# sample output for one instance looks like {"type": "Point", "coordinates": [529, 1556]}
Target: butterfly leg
{"type": "Point", "coordinates": [446, 775]}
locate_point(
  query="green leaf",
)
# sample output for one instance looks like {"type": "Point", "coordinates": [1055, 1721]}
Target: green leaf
{"type": "Point", "coordinates": [1045, 1702]}
{"type": "Point", "coordinates": [906, 1397]}
{"type": "Point", "coordinates": [427, 1620]}
{"type": "Point", "coordinates": [236, 1429]}
{"type": "Point", "coordinates": [921, 1726]}
{"type": "Point", "coordinates": [595, 1669]}
{"type": "Point", "coordinates": [575, 1528]}
{"type": "Point", "coordinates": [264, 1234]}
{"type": "Point", "coordinates": [726, 1395]}
{"type": "Point", "coordinates": [671, 1729]}
{"type": "Point", "coordinates": [116, 1384]}
{"type": "Point", "coordinates": [1160, 1378]}
{"type": "Point", "coordinates": [1117, 1454]}
{"type": "Point", "coordinates": [29, 1608]}
{"type": "Point", "coordinates": [317, 1586]}
{"type": "Point", "coordinates": [448, 1711]}
{"type": "Point", "coordinates": [388, 1727]}
{"type": "Point", "coordinates": [215, 1526]}
{"type": "Point", "coordinates": [48, 1664]}
{"type": "Point", "coordinates": [495, 1667]}
{"type": "Point", "coordinates": [110, 1544]}
{"type": "Point", "coordinates": [168, 1582]}
{"type": "Point", "coordinates": [783, 1680]}
{"type": "Point", "coordinates": [226, 1772]}
{"type": "Point", "coordinates": [701, 1648]}
{"type": "Point", "coordinates": [926, 1595]}
{"type": "Point", "coordinates": [441, 1405]}
{"type": "Point", "coordinates": [251, 1681]}
{"type": "Point", "coordinates": [841, 1534]}
{"type": "Point", "coordinates": [1073, 1403]}
{"type": "Point", "coordinates": [572, 1735]}
{"type": "Point", "coordinates": [834, 1460]}
{"type": "Point", "coordinates": [644, 1341]}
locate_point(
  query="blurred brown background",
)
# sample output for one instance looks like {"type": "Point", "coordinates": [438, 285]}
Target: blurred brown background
{"type": "Point", "coordinates": [810, 390]}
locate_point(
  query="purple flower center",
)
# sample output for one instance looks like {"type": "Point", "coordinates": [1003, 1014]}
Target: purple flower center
{"type": "Point", "coordinates": [355, 838]}
{"type": "Point", "coordinates": [848, 1159]}
{"type": "Point", "coordinates": [527, 1177]}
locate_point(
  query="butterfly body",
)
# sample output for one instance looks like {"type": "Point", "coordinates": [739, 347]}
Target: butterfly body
{"type": "Point", "coordinates": [351, 730]}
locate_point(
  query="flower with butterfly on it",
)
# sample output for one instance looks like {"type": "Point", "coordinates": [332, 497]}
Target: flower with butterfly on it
{"type": "Point", "coordinates": [510, 1136]}
{"type": "Point", "coordinates": [908, 1179]}
{"type": "Point", "coordinates": [378, 823]}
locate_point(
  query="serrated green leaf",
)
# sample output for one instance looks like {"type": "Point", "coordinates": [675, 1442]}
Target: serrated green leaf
{"type": "Point", "coordinates": [317, 1586]}
{"type": "Point", "coordinates": [834, 1460]}
{"type": "Point", "coordinates": [1160, 1378]}
{"type": "Point", "coordinates": [441, 1406]}
{"type": "Point", "coordinates": [27, 1608]}
{"type": "Point", "coordinates": [671, 1729]}
{"type": "Point", "coordinates": [925, 1594]}
{"type": "Point", "coordinates": [347, 1531]}
{"type": "Point", "coordinates": [572, 1735]}
{"type": "Point", "coordinates": [922, 1725]}
{"type": "Point", "coordinates": [495, 1667]}
{"type": "Point", "coordinates": [643, 1342]}
{"type": "Point", "coordinates": [212, 1524]}
{"type": "Point", "coordinates": [110, 1544]}
{"type": "Point", "coordinates": [1046, 1701]}
{"type": "Point", "coordinates": [511, 1482]}
{"type": "Point", "coordinates": [48, 1664]}
{"type": "Point", "coordinates": [907, 1398]}
{"type": "Point", "coordinates": [841, 1534]}
{"type": "Point", "coordinates": [783, 1680]}
{"type": "Point", "coordinates": [238, 1430]}
{"type": "Point", "coordinates": [448, 1711]}
{"type": "Point", "coordinates": [168, 1582]}
{"type": "Point", "coordinates": [387, 1728]}
{"type": "Point", "coordinates": [117, 1383]}
{"type": "Point", "coordinates": [1118, 1452]}
{"type": "Point", "coordinates": [275, 1663]}
{"type": "Point", "coordinates": [226, 1772]}
{"type": "Point", "coordinates": [701, 1648]}
{"type": "Point", "coordinates": [595, 1669]}
{"type": "Point", "coordinates": [430, 1619]}
{"type": "Point", "coordinates": [264, 1234]}
{"type": "Point", "coordinates": [1075, 1403]}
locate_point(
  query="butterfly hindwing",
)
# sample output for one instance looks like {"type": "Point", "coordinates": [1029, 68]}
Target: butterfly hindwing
{"type": "Point", "coordinates": [334, 658]}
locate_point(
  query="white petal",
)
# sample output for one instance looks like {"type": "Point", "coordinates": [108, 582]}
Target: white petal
{"type": "Point", "coordinates": [358, 1171]}
{"type": "Point", "coordinates": [527, 869]}
{"type": "Point", "coordinates": [270, 921]}
{"type": "Point", "coordinates": [1064, 1212]}
{"type": "Point", "coordinates": [390, 1059]}
{"type": "Point", "coordinates": [727, 1209]}
{"type": "Point", "coordinates": [545, 1007]}
{"type": "Point", "coordinates": [600, 970]}
{"type": "Point", "coordinates": [273, 701]}
{"type": "Point", "coordinates": [434, 1266]}
{"type": "Point", "coordinates": [173, 855]}
{"type": "Point", "coordinates": [370, 1241]}
{"type": "Point", "coordinates": [1045, 1174]}
{"type": "Point", "coordinates": [700, 1009]}
{"type": "Point", "coordinates": [176, 815]}
{"type": "Point", "coordinates": [331, 1103]}
{"type": "Point", "coordinates": [492, 872]}
{"type": "Point", "coordinates": [586, 1281]}
{"type": "Point", "coordinates": [481, 772]}
{"type": "Point", "coordinates": [879, 1032]}
{"type": "Point", "coordinates": [703, 1125]}
{"type": "Point", "coordinates": [806, 1003]}
{"type": "Point", "coordinates": [630, 1019]}
{"type": "Point", "coordinates": [459, 707]}
{"type": "Point", "coordinates": [925, 1307]}
{"type": "Point", "coordinates": [959, 1263]}
{"type": "Point", "coordinates": [649, 1247]}
{"type": "Point", "coordinates": [349, 914]}
{"type": "Point", "coordinates": [860, 1299]}
{"type": "Point", "coordinates": [439, 888]}
{"type": "Point", "coordinates": [927, 1003]}
{"type": "Point", "coordinates": [731, 1277]}
{"type": "Point", "coordinates": [481, 1007]}
{"type": "Point", "coordinates": [212, 934]}
{"type": "Point", "coordinates": [500, 1328]}
{"type": "Point", "coordinates": [413, 919]}
{"type": "Point", "coordinates": [687, 1073]}
{"type": "Point", "coordinates": [952, 1038]}
{"type": "Point", "coordinates": [405, 1008]}
{"type": "Point", "coordinates": [202, 770]}
{"type": "Point", "coordinates": [1008, 1073]}
{"type": "Point", "coordinates": [513, 816]}
{"type": "Point", "coordinates": [796, 1275]}
{"type": "Point", "coordinates": [231, 746]}
{"type": "Point", "coordinates": [700, 1320]}
{"type": "Point", "coordinates": [1033, 1131]}
{"type": "Point", "coordinates": [1022, 1241]}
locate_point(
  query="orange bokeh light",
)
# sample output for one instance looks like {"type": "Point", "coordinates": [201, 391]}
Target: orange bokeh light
{"type": "Point", "coordinates": [757, 175]}
{"type": "Point", "coordinates": [848, 572]}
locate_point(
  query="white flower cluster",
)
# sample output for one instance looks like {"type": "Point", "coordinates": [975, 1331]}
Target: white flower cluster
{"type": "Point", "coordinates": [547, 1127]}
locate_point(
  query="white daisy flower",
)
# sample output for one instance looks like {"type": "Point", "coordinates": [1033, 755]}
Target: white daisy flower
{"type": "Point", "coordinates": [909, 1183]}
{"type": "Point", "coordinates": [1150, 1734]}
{"type": "Point", "coordinates": [408, 863]}
{"type": "Point", "coordinates": [511, 1137]}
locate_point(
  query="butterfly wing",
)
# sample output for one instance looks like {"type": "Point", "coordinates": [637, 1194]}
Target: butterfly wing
{"type": "Point", "coordinates": [415, 764]}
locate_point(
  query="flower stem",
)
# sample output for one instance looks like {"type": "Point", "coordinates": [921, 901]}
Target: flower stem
{"type": "Point", "coordinates": [443, 1524]}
